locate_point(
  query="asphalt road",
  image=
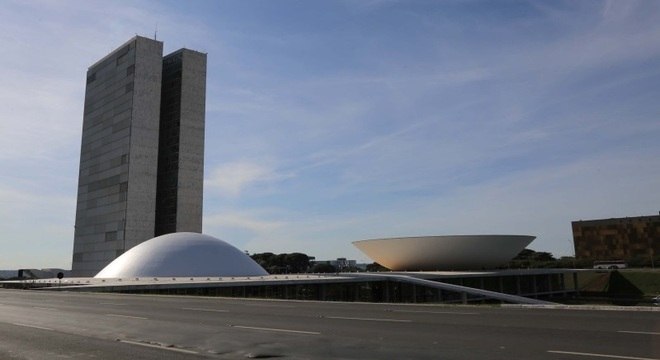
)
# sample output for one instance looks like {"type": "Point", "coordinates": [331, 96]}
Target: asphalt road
{"type": "Point", "coordinates": [48, 325]}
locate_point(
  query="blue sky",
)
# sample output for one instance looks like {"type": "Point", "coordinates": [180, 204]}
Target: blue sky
{"type": "Point", "coordinates": [335, 121]}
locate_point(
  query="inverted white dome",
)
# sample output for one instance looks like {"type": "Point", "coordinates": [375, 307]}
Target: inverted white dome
{"type": "Point", "coordinates": [451, 252]}
{"type": "Point", "coordinates": [182, 254]}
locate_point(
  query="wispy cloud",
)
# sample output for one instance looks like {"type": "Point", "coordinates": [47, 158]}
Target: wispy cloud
{"type": "Point", "coordinates": [233, 178]}
{"type": "Point", "coordinates": [370, 119]}
{"type": "Point", "coordinates": [242, 221]}
{"type": "Point", "coordinates": [47, 47]}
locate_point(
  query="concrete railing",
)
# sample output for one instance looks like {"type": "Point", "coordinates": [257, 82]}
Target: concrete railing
{"type": "Point", "coordinates": [513, 299]}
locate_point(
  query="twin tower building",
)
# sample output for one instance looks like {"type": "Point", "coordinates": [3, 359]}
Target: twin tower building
{"type": "Point", "coordinates": [142, 153]}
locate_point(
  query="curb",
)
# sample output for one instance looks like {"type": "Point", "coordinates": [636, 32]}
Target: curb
{"type": "Point", "coordinates": [584, 307]}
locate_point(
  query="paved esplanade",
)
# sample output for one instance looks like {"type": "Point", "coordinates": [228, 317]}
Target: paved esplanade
{"type": "Point", "coordinates": [45, 325]}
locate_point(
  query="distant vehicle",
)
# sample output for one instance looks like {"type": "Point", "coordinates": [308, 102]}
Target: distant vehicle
{"type": "Point", "coordinates": [656, 300]}
{"type": "Point", "coordinates": [610, 264]}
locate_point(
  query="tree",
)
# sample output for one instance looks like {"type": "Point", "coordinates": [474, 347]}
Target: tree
{"type": "Point", "coordinates": [263, 259]}
{"type": "Point", "coordinates": [323, 268]}
{"type": "Point", "coordinates": [529, 258]}
{"type": "Point", "coordinates": [529, 254]}
{"type": "Point", "coordinates": [297, 262]}
{"type": "Point", "coordinates": [376, 267]}
{"type": "Point", "coordinates": [282, 263]}
{"type": "Point", "coordinates": [544, 256]}
{"type": "Point", "coordinates": [525, 254]}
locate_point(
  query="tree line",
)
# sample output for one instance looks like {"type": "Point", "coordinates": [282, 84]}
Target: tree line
{"type": "Point", "coordinates": [302, 263]}
{"type": "Point", "coordinates": [295, 263]}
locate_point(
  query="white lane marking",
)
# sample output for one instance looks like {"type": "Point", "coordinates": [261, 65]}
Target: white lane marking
{"type": "Point", "coordinates": [43, 308]}
{"type": "Point", "coordinates": [159, 347]}
{"type": "Point", "coordinates": [127, 316]}
{"type": "Point", "coordinates": [599, 355]}
{"type": "Point", "coordinates": [202, 309]}
{"type": "Point", "coordinates": [116, 304]}
{"type": "Point", "coordinates": [277, 330]}
{"type": "Point", "coordinates": [639, 332]}
{"type": "Point", "coordinates": [435, 312]}
{"type": "Point", "coordinates": [269, 305]}
{"type": "Point", "coordinates": [365, 319]}
{"type": "Point", "coordinates": [33, 326]}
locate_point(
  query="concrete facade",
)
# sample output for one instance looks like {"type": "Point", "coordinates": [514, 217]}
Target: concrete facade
{"type": "Point", "coordinates": [445, 252]}
{"type": "Point", "coordinates": [506, 286]}
{"type": "Point", "coordinates": [181, 158]}
{"type": "Point", "coordinates": [119, 159]}
{"type": "Point", "coordinates": [182, 254]}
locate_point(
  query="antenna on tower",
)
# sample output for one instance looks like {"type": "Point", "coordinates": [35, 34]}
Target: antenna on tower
{"type": "Point", "coordinates": [156, 32]}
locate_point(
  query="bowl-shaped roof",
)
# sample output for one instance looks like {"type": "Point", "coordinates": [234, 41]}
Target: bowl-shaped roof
{"type": "Point", "coordinates": [450, 252]}
{"type": "Point", "coordinates": [182, 254]}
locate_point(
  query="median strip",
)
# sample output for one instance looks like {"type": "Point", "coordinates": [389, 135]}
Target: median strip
{"type": "Point", "coordinates": [639, 332]}
{"type": "Point", "coordinates": [271, 305]}
{"type": "Point", "coordinates": [600, 355]}
{"type": "Point", "coordinates": [434, 312]}
{"type": "Point", "coordinates": [209, 310]}
{"type": "Point", "coordinates": [34, 326]}
{"type": "Point", "coordinates": [170, 348]}
{"type": "Point", "coordinates": [127, 316]}
{"type": "Point", "coordinates": [277, 330]}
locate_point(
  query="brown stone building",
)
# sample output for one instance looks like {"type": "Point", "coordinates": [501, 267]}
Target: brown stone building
{"type": "Point", "coordinates": [627, 238]}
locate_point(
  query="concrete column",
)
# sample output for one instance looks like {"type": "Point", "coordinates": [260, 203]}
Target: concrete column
{"type": "Point", "coordinates": [575, 283]}
{"type": "Point", "coordinates": [414, 293]}
{"type": "Point", "coordinates": [322, 292]}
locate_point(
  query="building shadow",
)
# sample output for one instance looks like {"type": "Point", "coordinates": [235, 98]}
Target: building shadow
{"type": "Point", "coordinates": [623, 292]}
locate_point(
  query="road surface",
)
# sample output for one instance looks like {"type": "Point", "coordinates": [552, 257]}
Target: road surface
{"type": "Point", "coordinates": [48, 325]}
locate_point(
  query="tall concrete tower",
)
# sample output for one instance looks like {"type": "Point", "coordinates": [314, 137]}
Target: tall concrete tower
{"type": "Point", "coordinates": [181, 154]}
{"type": "Point", "coordinates": [141, 173]}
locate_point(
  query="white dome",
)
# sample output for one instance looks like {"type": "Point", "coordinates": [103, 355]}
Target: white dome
{"type": "Point", "coordinates": [451, 252]}
{"type": "Point", "coordinates": [182, 254]}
